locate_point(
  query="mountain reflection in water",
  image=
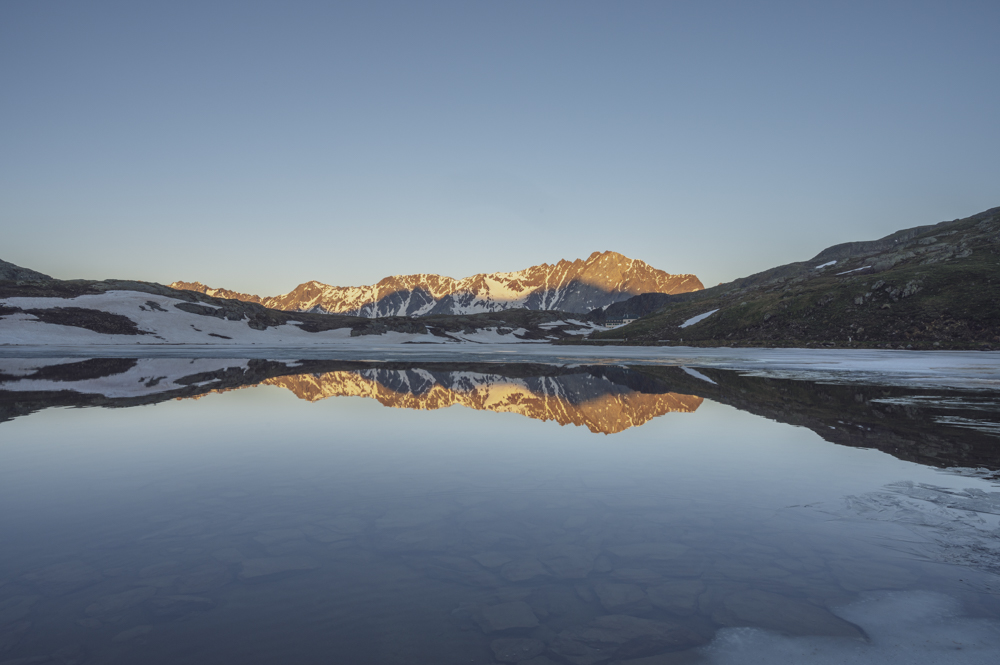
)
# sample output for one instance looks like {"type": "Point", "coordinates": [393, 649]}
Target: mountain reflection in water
{"type": "Point", "coordinates": [943, 428]}
{"type": "Point", "coordinates": [585, 399]}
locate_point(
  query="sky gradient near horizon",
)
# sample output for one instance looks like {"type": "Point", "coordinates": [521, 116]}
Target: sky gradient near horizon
{"type": "Point", "coordinates": [257, 145]}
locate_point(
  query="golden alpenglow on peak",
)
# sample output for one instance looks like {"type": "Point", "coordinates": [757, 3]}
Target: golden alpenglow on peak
{"type": "Point", "coordinates": [595, 403]}
{"type": "Point", "coordinates": [578, 286]}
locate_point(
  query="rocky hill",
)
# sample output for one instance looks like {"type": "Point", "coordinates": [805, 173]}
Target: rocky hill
{"type": "Point", "coordinates": [928, 286]}
{"type": "Point", "coordinates": [11, 272]}
{"type": "Point", "coordinates": [569, 286]}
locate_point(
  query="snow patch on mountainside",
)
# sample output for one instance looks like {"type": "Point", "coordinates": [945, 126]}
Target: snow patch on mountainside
{"type": "Point", "coordinates": [695, 319]}
{"type": "Point", "coordinates": [160, 322]}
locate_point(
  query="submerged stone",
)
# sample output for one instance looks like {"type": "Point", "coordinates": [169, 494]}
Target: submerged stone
{"type": "Point", "coordinates": [523, 570]}
{"type": "Point", "coordinates": [228, 555]}
{"type": "Point", "coordinates": [177, 606]}
{"type": "Point", "coordinates": [505, 616]}
{"type": "Point", "coordinates": [637, 575]}
{"type": "Point", "coordinates": [263, 567]}
{"type": "Point", "coordinates": [62, 578]}
{"type": "Point", "coordinates": [119, 602]}
{"type": "Point", "coordinates": [623, 637]}
{"type": "Point", "coordinates": [11, 635]}
{"type": "Point", "coordinates": [491, 559]}
{"type": "Point", "coordinates": [205, 578]}
{"type": "Point", "coordinates": [132, 633]}
{"type": "Point", "coordinates": [16, 608]}
{"type": "Point", "coordinates": [677, 596]}
{"type": "Point", "coordinates": [651, 551]}
{"type": "Point", "coordinates": [516, 649]}
{"type": "Point", "coordinates": [616, 597]}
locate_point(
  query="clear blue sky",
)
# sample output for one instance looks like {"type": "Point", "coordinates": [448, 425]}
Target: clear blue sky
{"type": "Point", "coordinates": [258, 145]}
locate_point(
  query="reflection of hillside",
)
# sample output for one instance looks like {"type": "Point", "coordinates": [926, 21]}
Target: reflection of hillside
{"type": "Point", "coordinates": [577, 399]}
{"type": "Point", "coordinates": [928, 426]}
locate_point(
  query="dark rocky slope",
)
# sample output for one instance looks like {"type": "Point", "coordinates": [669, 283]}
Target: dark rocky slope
{"type": "Point", "coordinates": [929, 286]}
{"type": "Point", "coordinates": [11, 272]}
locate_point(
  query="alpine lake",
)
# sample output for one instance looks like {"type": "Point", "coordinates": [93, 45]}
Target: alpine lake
{"type": "Point", "coordinates": [492, 509]}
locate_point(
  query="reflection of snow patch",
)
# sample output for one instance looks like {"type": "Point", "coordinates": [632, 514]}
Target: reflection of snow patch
{"type": "Point", "coordinates": [695, 319]}
{"type": "Point", "coordinates": [985, 426]}
{"type": "Point", "coordinates": [147, 377]}
{"type": "Point", "coordinates": [698, 375]}
{"type": "Point", "coordinates": [905, 627]}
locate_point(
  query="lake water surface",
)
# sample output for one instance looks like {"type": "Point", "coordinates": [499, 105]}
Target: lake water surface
{"type": "Point", "coordinates": [325, 511]}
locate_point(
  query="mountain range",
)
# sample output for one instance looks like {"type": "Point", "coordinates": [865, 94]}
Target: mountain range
{"type": "Point", "coordinates": [930, 286]}
{"type": "Point", "coordinates": [576, 286]}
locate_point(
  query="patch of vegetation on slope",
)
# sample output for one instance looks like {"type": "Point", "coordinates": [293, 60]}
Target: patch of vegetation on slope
{"type": "Point", "coordinates": [929, 287]}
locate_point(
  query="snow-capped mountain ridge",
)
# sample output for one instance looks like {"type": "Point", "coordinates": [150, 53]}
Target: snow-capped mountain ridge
{"type": "Point", "coordinates": [573, 286]}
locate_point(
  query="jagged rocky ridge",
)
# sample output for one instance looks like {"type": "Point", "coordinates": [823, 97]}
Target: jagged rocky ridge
{"type": "Point", "coordinates": [928, 286]}
{"type": "Point", "coordinates": [569, 286]}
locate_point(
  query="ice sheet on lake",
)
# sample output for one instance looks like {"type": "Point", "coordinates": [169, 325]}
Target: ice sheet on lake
{"type": "Point", "coordinates": [955, 526]}
{"type": "Point", "coordinates": [904, 628]}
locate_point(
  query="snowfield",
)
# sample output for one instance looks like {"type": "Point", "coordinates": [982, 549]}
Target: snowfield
{"type": "Point", "coordinates": [165, 324]}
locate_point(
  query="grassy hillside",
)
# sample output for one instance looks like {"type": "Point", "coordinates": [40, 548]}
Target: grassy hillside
{"type": "Point", "coordinates": [928, 287]}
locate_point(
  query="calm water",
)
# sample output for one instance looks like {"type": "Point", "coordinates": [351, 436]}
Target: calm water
{"type": "Point", "coordinates": [240, 511]}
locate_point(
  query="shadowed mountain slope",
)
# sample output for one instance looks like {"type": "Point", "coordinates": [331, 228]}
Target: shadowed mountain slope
{"type": "Point", "coordinates": [927, 286]}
